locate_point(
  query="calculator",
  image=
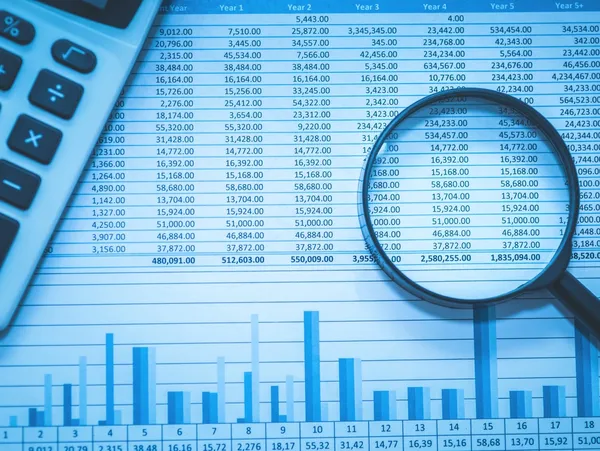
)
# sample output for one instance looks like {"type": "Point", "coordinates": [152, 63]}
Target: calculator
{"type": "Point", "coordinates": [63, 64]}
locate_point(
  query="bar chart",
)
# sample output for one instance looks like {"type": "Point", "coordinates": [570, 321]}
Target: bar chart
{"type": "Point", "coordinates": [353, 402]}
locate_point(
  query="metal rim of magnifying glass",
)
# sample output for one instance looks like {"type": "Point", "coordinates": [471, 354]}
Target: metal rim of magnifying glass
{"type": "Point", "coordinates": [559, 261]}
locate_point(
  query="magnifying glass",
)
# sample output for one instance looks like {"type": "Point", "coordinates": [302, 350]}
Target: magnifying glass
{"type": "Point", "coordinates": [470, 197]}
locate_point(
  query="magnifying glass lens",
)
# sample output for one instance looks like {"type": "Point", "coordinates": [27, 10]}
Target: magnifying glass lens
{"type": "Point", "coordinates": [467, 199]}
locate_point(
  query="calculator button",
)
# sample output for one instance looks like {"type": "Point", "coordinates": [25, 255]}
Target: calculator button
{"type": "Point", "coordinates": [16, 28]}
{"type": "Point", "coordinates": [74, 56]}
{"type": "Point", "coordinates": [34, 139]}
{"type": "Point", "coordinates": [8, 231]}
{"type": "Point", "coordinates": [9, 68]}
{"type": "Point", "coordinates": [17, 186]}
{"type": "Point", "coordinates": [56, 94]}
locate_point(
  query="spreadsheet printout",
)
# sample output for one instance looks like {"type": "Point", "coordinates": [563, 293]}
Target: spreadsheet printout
{"type": "Point", "coordinates": [209, 288]}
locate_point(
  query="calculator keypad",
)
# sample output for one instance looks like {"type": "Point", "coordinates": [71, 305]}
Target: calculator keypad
{"type": "Point", "coordinates": [34, 139]}
{"type": "Point", "coordinates": [10, 64]}
{"type": "Point", "coordinates": [17, 186]}
{"type": "Point", "coordinates": [56, 94]}
{"type": "Point", "coordinates": [16, 28]}
{"type": "Point", "coordinates": [74, 56]}
{"type": "Point", "coordinates": [8, 231]}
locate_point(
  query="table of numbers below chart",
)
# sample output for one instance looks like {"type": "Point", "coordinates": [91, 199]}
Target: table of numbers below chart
{"type": "Point", "coordinates": [238, 143]}
{"type": "Point", "coordinates": [428, 435]}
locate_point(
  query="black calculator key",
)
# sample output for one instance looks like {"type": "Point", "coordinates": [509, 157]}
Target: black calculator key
{"type": "Point", "coordinates": [74, 56]}
{"type": "Point", "coordinates": [56, 94]}
{"type": "Point", "coordinates": [34, 139]}
{"type": "Point", "coordinates": [8, 231]}
{"type": "Point", "coordinates": [17, 186]}
{"type": "Point", "coordinates": [16, 28]}
{"type": "Point", "coordinates": [9, 68]}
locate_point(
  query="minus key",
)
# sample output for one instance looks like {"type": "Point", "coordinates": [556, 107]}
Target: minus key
{"type": "Point", "coordinates": [17, 186]}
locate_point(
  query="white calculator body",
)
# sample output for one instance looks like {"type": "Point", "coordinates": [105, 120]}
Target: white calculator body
{"type": "Point", "coordinates": [62, 66]}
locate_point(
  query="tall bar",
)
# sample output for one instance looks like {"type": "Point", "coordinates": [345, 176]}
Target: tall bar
{"type": "Point", "coordinates": [110, 380]}
{"type": "Point", "coordinates": [521, 405]}
{"type": "Point", "coordinates": [347, 390]}
{"type": "Point", "coordinates": [312, 366]}
{"type": "Point", "coordinates": [555, 401]}
{"type": "Point", "coordinates": [274, 404]}
{"type": "Point", "coordinates": [324, 411]}
{"type": "Point", "coordinates": [83, 391]}
{"type": "Point", "coordinates": [67, 405]}
{"type": "Point", "coordinates": [47, 400]}
{"type": "Point", "coordinates": [486, 362]}
{"type": "Point", "coordinates": [289, 398]}
{"type": "Point", "coordinates": [151, 385]}
{"type": "Point", "coordinates": [586, 364]}
{"type": "Point", "coordinates": [419, 403]}
{"type": "Point", "coordinates": [141, 399]}
{"type": "Point", "coordinates": [221, 388]}
{"type": "Point", "coordinates": [255, 369]}
{"type": "Point", "coordinates": [248, 397]}
{"type": "Point", "coordinates": [453, 404]}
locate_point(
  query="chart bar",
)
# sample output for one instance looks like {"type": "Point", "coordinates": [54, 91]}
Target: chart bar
{"type": "Point", "coordinates": [521, 404]}
{"type": "Point", "coordinates": [289, 398]}
{"type": "Point", "coordinates": [214, 407]}
{"type": "Point", "coordinates": [67, 405]}
{"type": "Point", "coordinates": [141, 406]}
{"type": "Point", "coordinates": [324, 412]}
{"type": "Point", "coordinates": [151, 385]}
{"type": "Point", "coordinates": [453, 404]}
{"type": "Point", "coordinates": [13, 421]}
{"type": "Point", "coordinates": [347, 390]}
{"type": "Point", "coordinates": [486, 362]}
{"type": "Point", "coordinates": [312, 366]}
{"type": "Point", "coordinates": [381, 405]}
{"type": "Point", "coordinates": [118, 417]}
{"type": "Point", "coordinates": [47, 400]}
{"type": "Point", "coordinates": [110, 380]}
{"type": "Point", "coordinates": [358, 402]}
{"type": "Point", "coordinates": [210, 408]}
{"type": "Point", "coordinates": [555, 401]}
{"type": "Point", "coordinates": [274, 404]}
{"type": "Point", "coordinates": [40, 420]}
{"type": "Point", "coordinates": [32, 413]}
{"type": "Point", "coordinates": [248, 397]}
{"type": "Point", "coordinates": [83, 391]}
{"type": "Point", "coordinates": [206, 417]}
{"type": "Point", "coordinates": [419, 403]}
{"type": "Point", "coordinates": [221, 387]}
{"type": "Point", "coordinates": [175, 407]}
{"type": "Point", "coordinates": [255, 368]}
{"type": "Point", "coordinates": [586, 364]}
{"type": "Point", "coordinates": [187, 407]}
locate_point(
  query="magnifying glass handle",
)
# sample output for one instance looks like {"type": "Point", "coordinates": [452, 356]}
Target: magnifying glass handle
{"type": "Point", "coordinates": [582, 302]}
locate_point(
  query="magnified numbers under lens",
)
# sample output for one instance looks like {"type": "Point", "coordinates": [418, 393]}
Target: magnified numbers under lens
{"type": "Point", "coordinates": [468, 199]}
